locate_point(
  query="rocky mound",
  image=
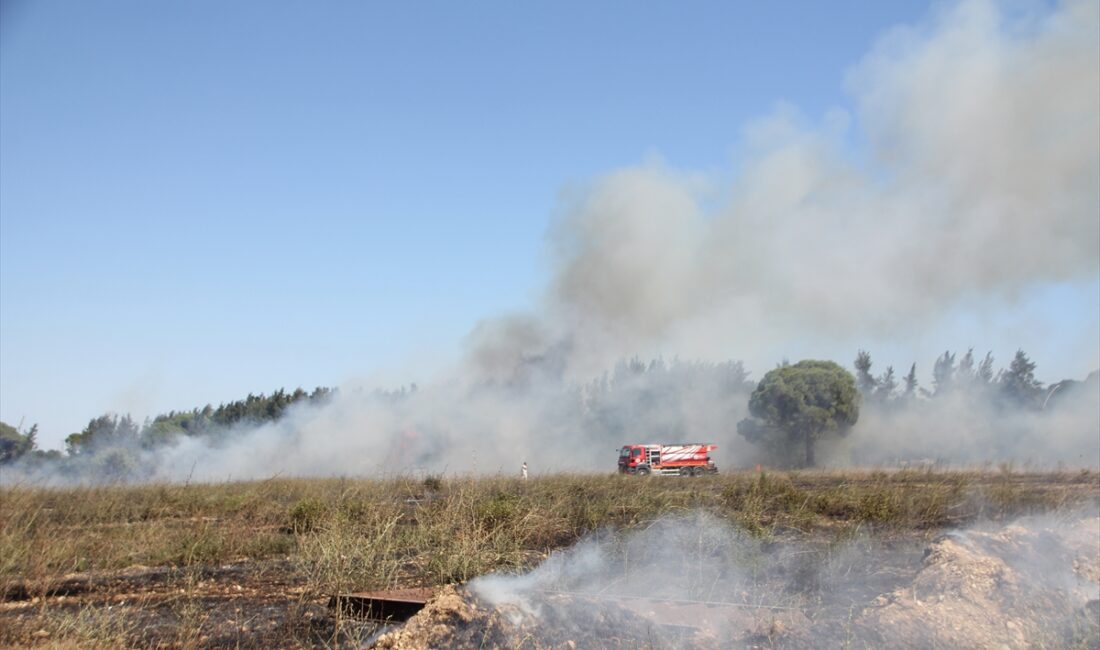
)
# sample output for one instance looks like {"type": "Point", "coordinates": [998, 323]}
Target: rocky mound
{"type": "Point", "coordinates": [456, 618]}
{"type": "Point", "coordinates": [1018, 587]}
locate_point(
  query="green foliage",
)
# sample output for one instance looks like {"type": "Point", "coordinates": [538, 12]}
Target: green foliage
{"type": "Point", "coordinates": [306, 515]}
{"type": "Point", "coordinates": [758, 504]}
{"type": "Point", "coordinates": [116, 464]}
{"type": "Point", "coordinates": [887, 384]}
{"type": "Point", "coordinates": [865, 381]}
{"type": "Point", "coordinates": [210, 421]}
{"type": "Point", "coordinates": [499, 509]}
{"type": "Point", "coordinates": [985, 369]}
{"type": "Point", "coordinates": [1015, 387]}
{"type": "Point", "coordinates": [1018, 384]}
{"type": "Point", "coordinates": [802, 402]}
{"type": "Point", "coordinates": [911, 383]}
{"type": "Point", "coordinates": [879, 506]}
{"type": "Point", "coordinates": [14, 445]}
{"type": "Point", "coordinates": [943, 373]}
{"type": "Point", "coordinates": [111, 443]}
{"type": "Point", "coordinates": [106, 431]}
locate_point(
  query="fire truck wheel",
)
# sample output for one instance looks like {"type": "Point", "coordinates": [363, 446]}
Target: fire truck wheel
{"type": "Point", "coordinates": [643, 471]}
{"type": "Point", "coordinates": [686, 471]}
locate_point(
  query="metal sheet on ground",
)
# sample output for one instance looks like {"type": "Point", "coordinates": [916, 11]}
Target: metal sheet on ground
{"type": "Point", "coordinates": [392, 605]}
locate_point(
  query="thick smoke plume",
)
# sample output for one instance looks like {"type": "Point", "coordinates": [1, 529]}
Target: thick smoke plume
{"type": "Point", "coordinates": [981, 180]}
{"type": "Point", "coordinates": [977, 179]}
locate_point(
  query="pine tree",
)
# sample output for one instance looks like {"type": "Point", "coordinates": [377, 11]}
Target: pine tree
{"type": "Point", "coordinates": [886, 385]}
{"type": "Point", "coordinates": [911, 382]}
{"type": "Point", "coordinates": [965, 373]}
{"type": "Point", "coordinates": [985, 369]}
{"type": "Point", "coordinates": [1018, 383]}
{"type": "Point", "coordinates": [943, 374]}
{"type": "Point", "coordinates": [865, 381]}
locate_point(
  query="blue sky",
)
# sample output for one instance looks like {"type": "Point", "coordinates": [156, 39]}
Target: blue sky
{"type": "Point", "coordinates": [203, 199]}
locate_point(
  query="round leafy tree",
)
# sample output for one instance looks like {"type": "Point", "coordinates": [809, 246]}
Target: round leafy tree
{"type": "Point", "coordinates": [797, 404]}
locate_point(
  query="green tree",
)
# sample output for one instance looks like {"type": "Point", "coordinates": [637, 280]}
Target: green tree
{"type": "Point", "coordinates": [943, 374]}
{"type": "Point", "coordinates": [106, 431]}
{"type": "Point", "coordinates": [966, 374]}
{"type": "Point", "coordinates": [14, 445]}
{"type": "Point", "coordinates": [800, 403]}
{"type": "Point", "coordinates": [865, 381]}
{"type": "Point", "coordinates": [911, 384]}
{"type": "Point", "coordinates": [985, 370]}
{"type": "Point", "coordinates": [887, 384]}
{"type": "Point", "coordinates": [1018, 384]}
{"type": "Point", "coordinates": [116, 464]}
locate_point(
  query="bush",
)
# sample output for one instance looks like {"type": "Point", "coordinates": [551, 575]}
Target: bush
{"type": "Point", "coordinates": [498, 510]}
{"type": "Point", "coordinates": [306, 515]}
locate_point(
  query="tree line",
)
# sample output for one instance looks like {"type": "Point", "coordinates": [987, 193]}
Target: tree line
{"type": "Point", "coordinates": [789, 409]}
{"type": "Point", "coordinates": [1014, 386]}
{"type": "Point", "coordinates": [794, 406]}
{"type": "Point", "coordinates": [111, 431]}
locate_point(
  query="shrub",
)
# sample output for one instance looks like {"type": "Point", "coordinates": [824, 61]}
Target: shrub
{"type": "Point", "coordinates": [306, 515]}
{"type": "Point", "coordinates": [498, 510]}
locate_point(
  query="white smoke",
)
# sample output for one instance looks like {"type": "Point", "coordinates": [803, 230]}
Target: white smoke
{"type": "Point", "coordinates": [1039, 573]}
{"type": "Point", "coordinates": [982, 133]}
{"type": "Point", "coordinates": [978, 178]}
{"type": "Point", "coordinates": [970, 427]}
{"type": "Point", "coordinates": [698, 559]}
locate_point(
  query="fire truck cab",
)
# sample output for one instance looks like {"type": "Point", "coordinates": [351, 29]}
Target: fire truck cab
{"type": "Point", "coordinates": [687, 459]}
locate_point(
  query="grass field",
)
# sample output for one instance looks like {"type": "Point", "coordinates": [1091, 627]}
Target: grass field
{"type": "Point", "coordinates": [247, 564]}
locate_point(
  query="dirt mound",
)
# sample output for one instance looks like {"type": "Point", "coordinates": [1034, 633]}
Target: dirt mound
{"type": "Point", "coordinates": [1019, 587]}
{"type": "Point", "coordinates": [456, 618]}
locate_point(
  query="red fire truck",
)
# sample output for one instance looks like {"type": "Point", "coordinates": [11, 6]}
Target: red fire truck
{"type": "Point", "coordinates": [687, 459]}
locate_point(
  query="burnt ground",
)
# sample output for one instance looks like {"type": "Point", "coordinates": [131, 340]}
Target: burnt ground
{"type": "Point", "coordinates": [250, 604]}
{"type": "Point", "coordinates": [953, 589]}
{"type": "Point", "coordinates": [840, 554]}
{"type": "Point", "coordinates": [268, 603]}
{"type": "Point", "coordinates": [1035, 584]}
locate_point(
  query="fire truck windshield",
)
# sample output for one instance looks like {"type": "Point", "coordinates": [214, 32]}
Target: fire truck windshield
{"type": "Point", "coordinates": [625, 453]}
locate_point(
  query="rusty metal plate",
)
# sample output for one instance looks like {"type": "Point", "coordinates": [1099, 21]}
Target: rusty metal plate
{"type": "Point", "coordinates": [386, 605]}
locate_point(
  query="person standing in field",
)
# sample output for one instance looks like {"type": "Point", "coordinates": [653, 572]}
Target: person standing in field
{"type": "Point", "coordinates": [523, 472]}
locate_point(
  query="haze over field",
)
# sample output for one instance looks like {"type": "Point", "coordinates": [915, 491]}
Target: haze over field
{"type": "Point", "coordinates": [957, 194]}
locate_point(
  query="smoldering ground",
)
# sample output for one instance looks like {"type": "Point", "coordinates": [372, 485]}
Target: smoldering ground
{"type": "Point", "coordinates": [695, 581]}
{"type": "Point", "coordinates": [976, 181]}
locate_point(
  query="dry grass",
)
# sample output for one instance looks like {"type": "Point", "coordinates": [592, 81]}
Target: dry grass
{"type": "Point", "coordinates": [339, 535]}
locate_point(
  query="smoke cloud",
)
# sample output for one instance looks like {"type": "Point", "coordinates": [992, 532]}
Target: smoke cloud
{"type": "Point", "coordinates": [976, 178]}
{"type": "Point", "coordinates": [969, 426]}
{"type": "Point", "coordinates": [981, 133]}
